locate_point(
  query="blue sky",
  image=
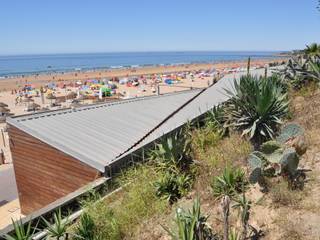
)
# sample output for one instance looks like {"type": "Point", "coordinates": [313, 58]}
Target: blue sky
{"type": "Point", "coordinates": [70, 26]}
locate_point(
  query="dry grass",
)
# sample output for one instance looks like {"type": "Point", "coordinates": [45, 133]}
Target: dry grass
{"type": "Point", "coordinates": [282, 196]}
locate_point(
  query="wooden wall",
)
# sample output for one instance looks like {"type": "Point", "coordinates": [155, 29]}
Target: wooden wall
{"type": "Point", "coordinates": [43, 173]}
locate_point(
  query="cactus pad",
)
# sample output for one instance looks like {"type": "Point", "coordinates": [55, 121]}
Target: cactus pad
{"type": "Point", "coordinates": [289, 131]}
{"type": "Point", "coordinates": [270, 146]}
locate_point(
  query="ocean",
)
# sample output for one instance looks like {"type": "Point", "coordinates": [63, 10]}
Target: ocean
{"type": "Point", "coordinates": [32, 64]}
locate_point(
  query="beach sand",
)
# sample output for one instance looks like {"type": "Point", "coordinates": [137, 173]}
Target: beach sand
{"type": "Point", "coordinates": [42, 79]}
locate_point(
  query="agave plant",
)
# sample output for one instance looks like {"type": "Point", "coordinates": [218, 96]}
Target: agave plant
{"type": "Point", "coordinates": [192, 225]}
{"type": "Point", "coordinates": [256, 107]}
{"type": "Point", "coordinates": [302, 70]}
{"type": "Point", "coordinates": [57, 230]}
{"type": "Point", "coordinates": [173, 152]}
{"type": "Point", "coordinates": [313, 70]}
{"type": "Point", "coordinates": [21, 231]}
{"type": "Point", "coordinates": [312, 49]}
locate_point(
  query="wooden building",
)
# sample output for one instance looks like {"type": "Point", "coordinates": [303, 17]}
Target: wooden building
{"type": "Point", "coordinates": [57, 152]}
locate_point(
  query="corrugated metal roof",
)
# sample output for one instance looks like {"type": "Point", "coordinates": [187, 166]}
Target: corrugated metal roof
{"type": "Point", "coordinates": [101, 134]}
{"type": "Point", "coordinates": [98, 134]}
{"type": "Point", "coordinates": [211, 97]}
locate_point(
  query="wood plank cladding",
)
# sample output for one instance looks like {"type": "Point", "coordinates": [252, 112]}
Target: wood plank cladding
{"type": "Point", "coordinates": [43, 173]}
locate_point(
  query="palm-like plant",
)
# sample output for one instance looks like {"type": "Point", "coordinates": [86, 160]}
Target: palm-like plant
{"type": "Point", "coordinates": [59, 228]}
{"type": "Point", "coordinates": [231, 182]}
{"type": "Point", "coordinates": [256, 107]}
{"type": "Point", "coordinates": [21, 231]}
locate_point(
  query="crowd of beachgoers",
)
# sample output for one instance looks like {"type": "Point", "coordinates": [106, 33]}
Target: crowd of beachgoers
{"type": "Point", "coordinates": [25, 94]}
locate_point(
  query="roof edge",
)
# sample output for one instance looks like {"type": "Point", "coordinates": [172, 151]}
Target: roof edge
{"type": "Point", "coordinates": [83, 159]}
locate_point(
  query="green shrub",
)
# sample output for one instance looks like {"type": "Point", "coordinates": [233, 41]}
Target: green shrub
{"type": "Point", "coordinates": [105, 222]}
{"type": "Point", "coordinates": [86, 228]}
{"type": "Point", "coordinates": [204, 138]}
{"type": "Point", "coordinates": [231, 182]}
{"type": "Point", "coordinates": [173, 186]}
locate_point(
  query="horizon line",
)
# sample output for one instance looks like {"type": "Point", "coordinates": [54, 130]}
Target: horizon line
{"type": "Point", "coordinates": [142, 51]}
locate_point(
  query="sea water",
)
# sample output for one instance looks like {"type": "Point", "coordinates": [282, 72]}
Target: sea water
{"type": "Point", "coordinates": [32, 64]}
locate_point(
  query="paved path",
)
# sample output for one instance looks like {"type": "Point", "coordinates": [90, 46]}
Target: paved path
{"type": "Point", "coordinates": [8, 189]}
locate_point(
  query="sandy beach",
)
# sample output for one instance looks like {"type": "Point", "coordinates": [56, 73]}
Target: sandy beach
{"type": "Point", "coordinates": [38, 80]}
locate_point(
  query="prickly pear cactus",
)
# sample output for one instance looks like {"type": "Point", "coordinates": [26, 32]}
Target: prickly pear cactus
{"type": "Point", "coordinates": [256, 165]}
{"type": "Point", "coordinates": [290, 161]}
{"type": "Point", "coordinates": [255, 175]}
{"type": "Point", "coordinates": [275, 156]}
{"type": "Point", "coordinates": [290, 131]}
{"type": "Point", "coordinates": [270, 146]}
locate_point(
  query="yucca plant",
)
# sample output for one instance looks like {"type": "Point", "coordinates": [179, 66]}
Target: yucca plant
{"type": "Point", "coordinates": [256, 107]}
{"type": "Point", "coordinates": [191, 225]}
{"type": "Point", "coordinates": [231, 182]}
{"type": "Point", "coordinates": [21, 231]}
{"type": "Point", "coordinates": [244, 206]}
{"type": "Point", "coordinates": [58, 230]}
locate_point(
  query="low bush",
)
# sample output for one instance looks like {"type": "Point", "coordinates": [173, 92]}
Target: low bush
{"type": "Point", "coordinates": [86, 228]}
{"type": "Point", "coordinates": [136, 201]}
{"type": "Point", "coordinates": [172, 186]}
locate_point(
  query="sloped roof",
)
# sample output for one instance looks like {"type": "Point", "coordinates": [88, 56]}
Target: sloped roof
{"type": "Point", "coordinates": [98, 134]}
{"type": "Point", "coordinates": [101, 134]}
{"type": "Point", "coordinates": [210, 97]}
